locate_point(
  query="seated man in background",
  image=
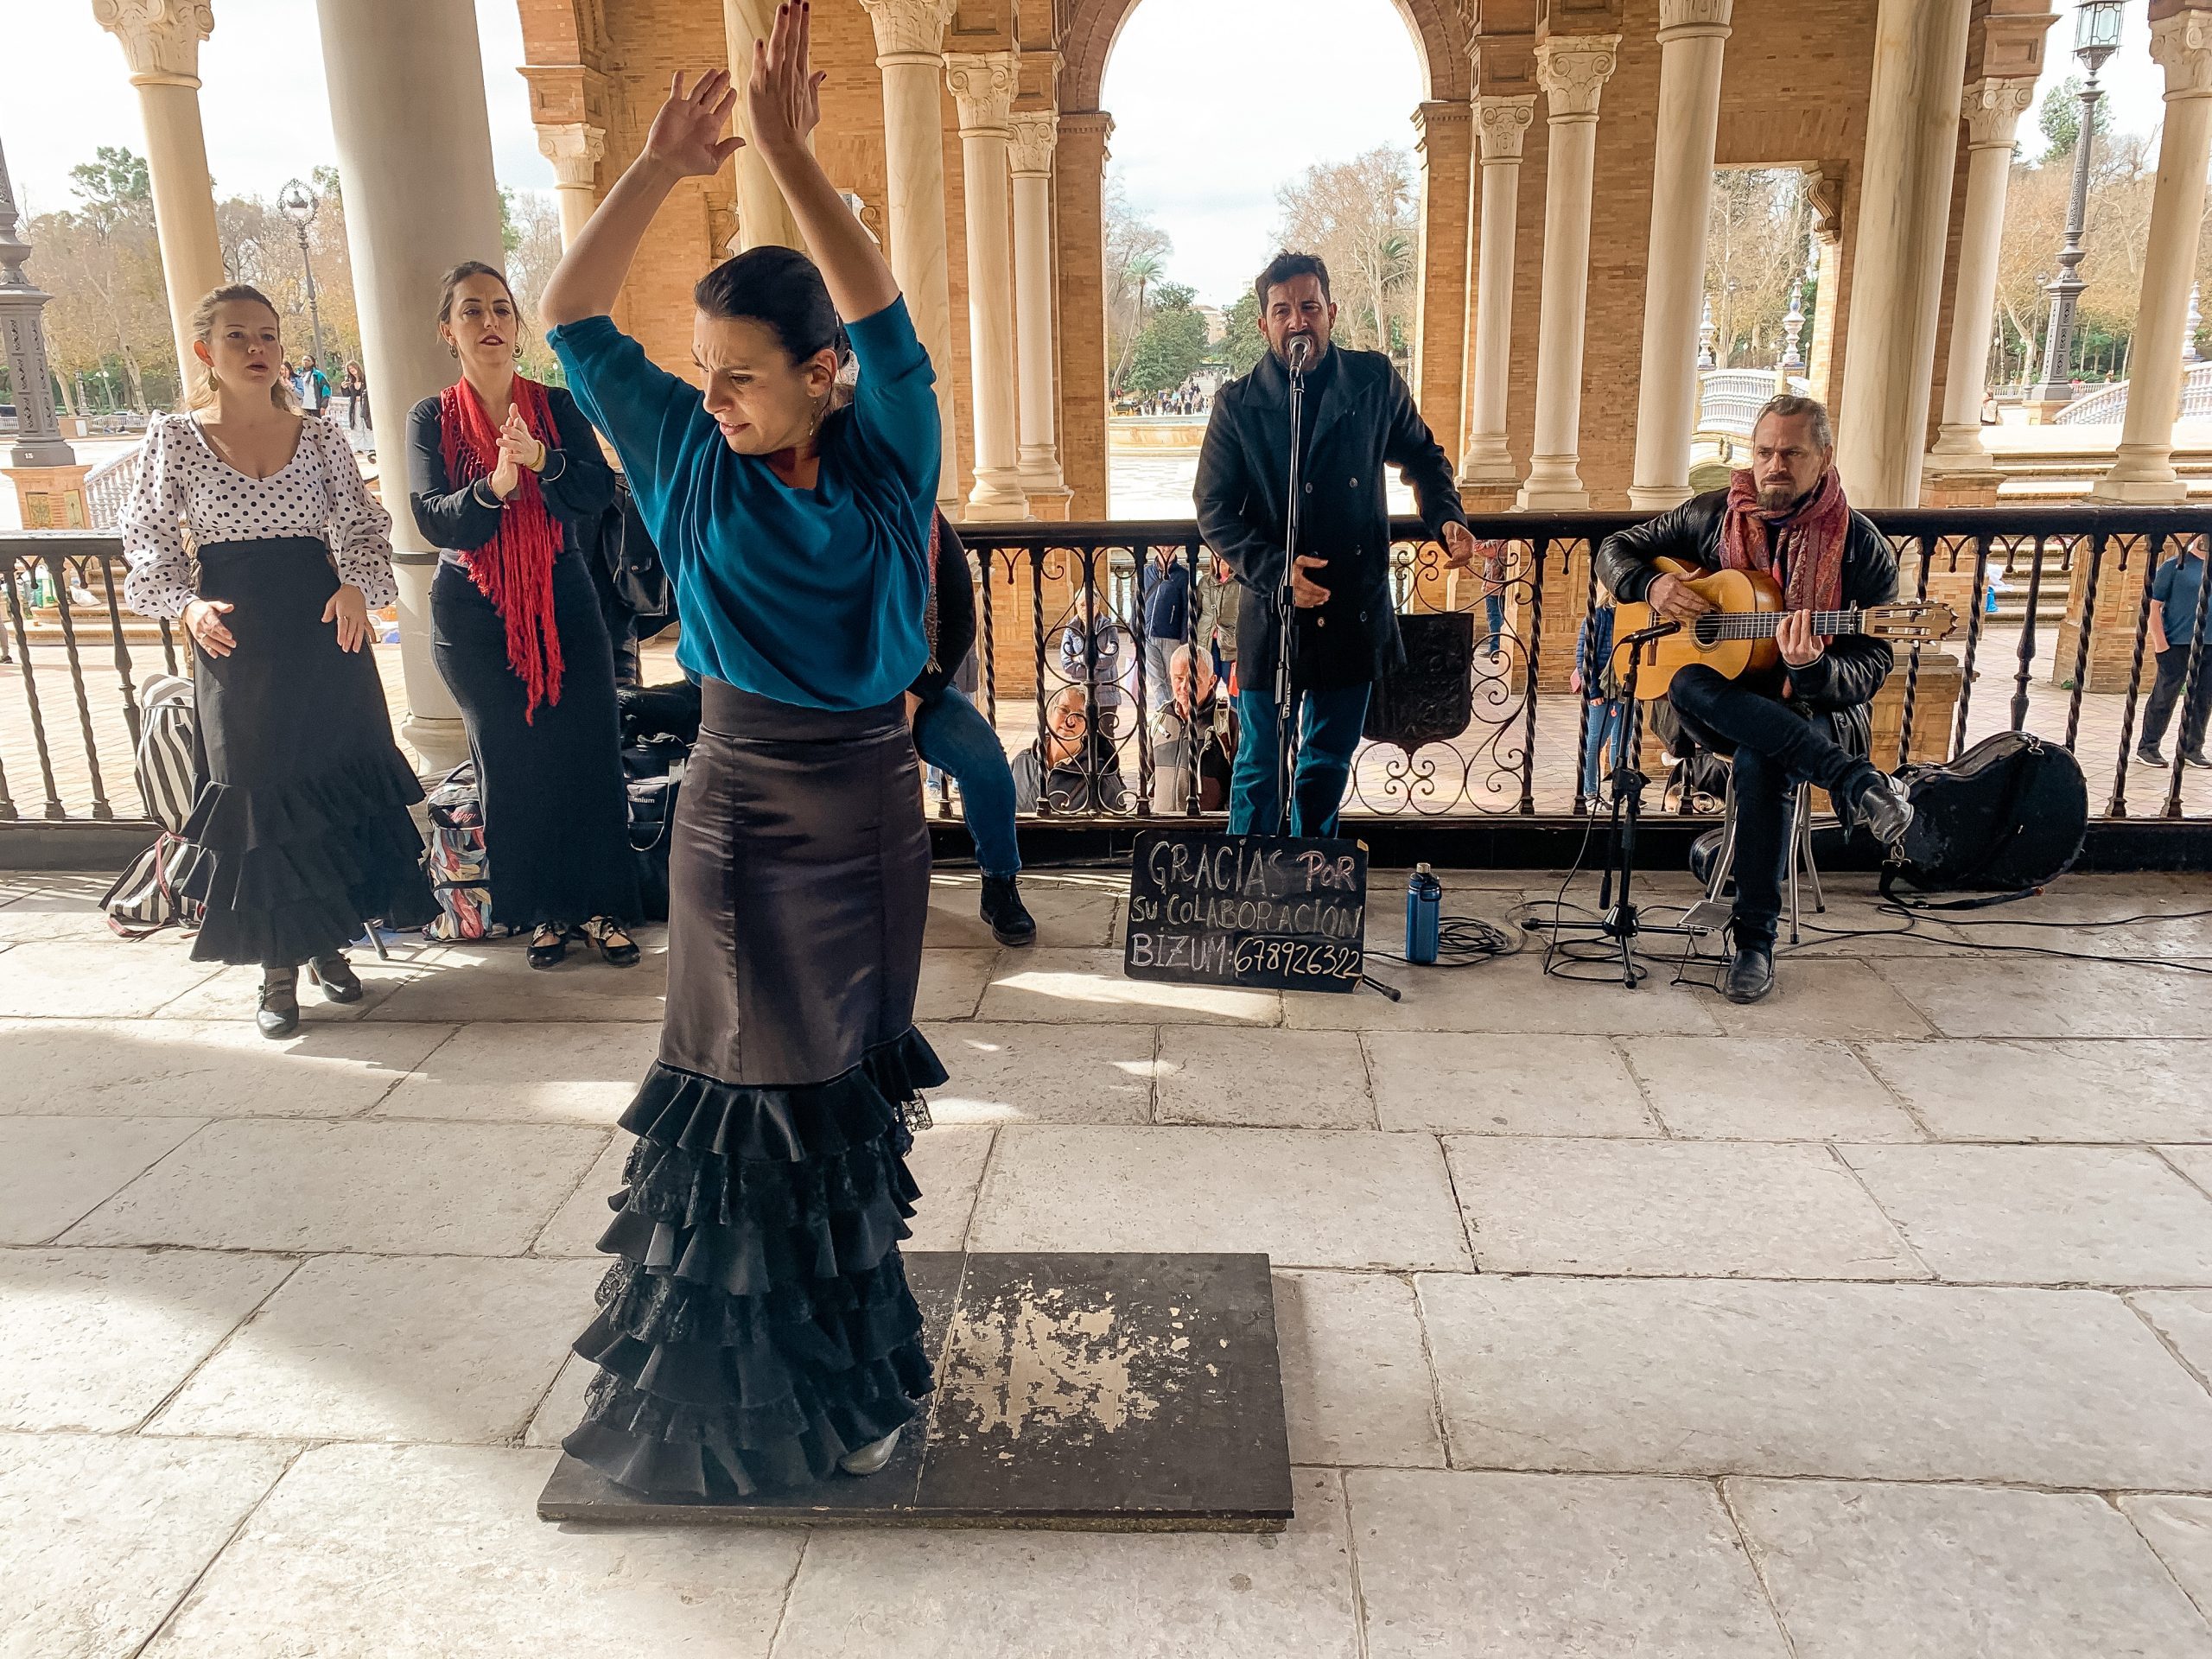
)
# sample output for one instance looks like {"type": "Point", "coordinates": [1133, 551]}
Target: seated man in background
{"type": "Point", "coordinates": [1197, 704]}
{"type": "Point", "coordinates": [1070, 768]}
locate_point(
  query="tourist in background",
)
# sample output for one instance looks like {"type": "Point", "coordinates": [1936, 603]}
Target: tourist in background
{"type": "Point", "coordinates": [252, 526]}
{"type": "Point", "coordinates": [1095, 652]}
{"type": "Point", "coordinates": [354, 386]}
{"type": "Point", "coordinates": [1198, 706]}
{"type": "Point", "coordinates": [314, 386]}
{"type": "Point", "coordinates": [506, 475]}
{"type": "Point", "coordinates": [1605, 723]}
{"type": "Point", "coordinates": [2174, 590]}
{"type": "Point", "coordinates": [1072, 767]}
{"type": "Point", "coordinates": [1164, 602]}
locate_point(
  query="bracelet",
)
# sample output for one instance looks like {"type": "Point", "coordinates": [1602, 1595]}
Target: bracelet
{"type": "Point", "coordinates": [481, 489]}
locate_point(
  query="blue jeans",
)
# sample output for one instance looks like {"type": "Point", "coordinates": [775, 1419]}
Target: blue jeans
{"type": "Point", "coordinates": [952, 734]}
{"type": "Point", "coordinates": [1329, 724]}
{"type": "Point", "coordinates": [1608, 727]}
{"type": "Point", "coordinates": [1494, 613]}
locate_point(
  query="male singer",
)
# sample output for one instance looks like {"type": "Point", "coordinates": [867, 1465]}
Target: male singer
{"type": "Point", "coordinates": [1358, 416]}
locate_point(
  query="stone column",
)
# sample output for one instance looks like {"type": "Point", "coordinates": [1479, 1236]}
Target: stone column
{"type": "Point", "coordinates": [1692, 35]}
{"type": "Point", "coordinates": [1445, 143]}
{"type": "Point", "coordinates": [2143, 470]}
{"type": "Point", "coordinates": [1897, 273]}
{"type": "Point", "coordinates": [1958, 471]}
{"type": "Point", "coordinates": [1502, 123]}
{"type": "Point", "coordinates": [983, 85]}
{"type": "Point", "coordinates": [1573, 69]}
{"type": "Point", "coordinates": [406, 82]}
{"type": "Point", "coordinates": [1079, 180]}
{"type": "Point", "coordinates": [575, 151]}
{"type": "Point", "coordinates": [910, 52]}
{"type": "Point", "coordinates": [1824, 194]}
{"type": "Point", "coordinates": [160, 40]}
{"type": "Point", "coordinates": [763, 215]}
{"type": "Point", "coordinates": [1035, 132]}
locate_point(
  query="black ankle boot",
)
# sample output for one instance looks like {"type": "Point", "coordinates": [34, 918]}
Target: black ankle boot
{"type": "Point", "coordinates": [278, 1015]}
{"type": "Point", "coordinates": [1883, 810]}
{"type": "Point", "coordinates": [1751, 970]}
{"type": "Point", "coordinates": [336, 977]}
{"type": "Point", "coordinates": [1011, 922]}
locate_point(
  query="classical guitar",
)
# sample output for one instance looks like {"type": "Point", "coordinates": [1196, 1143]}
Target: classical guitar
{"type": "Point", "coordinates": [1737, 636]}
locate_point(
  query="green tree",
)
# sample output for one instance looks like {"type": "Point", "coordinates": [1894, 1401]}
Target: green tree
{"type": "Point", "coordinates": [1172, 344]}
{"type": "Point", "coordinates": [113, 186]}
{"type": "Point", "coordinates": [2060, 118]}
{"type": "Point", "coordinates": [1242, 346]}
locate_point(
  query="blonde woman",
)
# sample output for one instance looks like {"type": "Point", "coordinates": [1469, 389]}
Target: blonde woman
{"type": "Point", "coordinates": [249, 523]}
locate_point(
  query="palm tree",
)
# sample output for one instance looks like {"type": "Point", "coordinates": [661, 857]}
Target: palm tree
{"type": "Point", "coordinates": [1144, 270]}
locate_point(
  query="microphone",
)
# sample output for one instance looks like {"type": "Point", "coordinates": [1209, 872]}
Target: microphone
{"type": "Point", "coordinates": [1300, 349]}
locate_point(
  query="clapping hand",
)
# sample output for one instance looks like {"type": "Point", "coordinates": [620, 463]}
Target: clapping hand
{"type": "Point", "coordinates": [349, 609]}
{"type": "Point", "coordinates": [515, 440]}
{"type": "Point", "coordinates": [783, 99]}
{"type": "Point", "coordinates": [686, 136]}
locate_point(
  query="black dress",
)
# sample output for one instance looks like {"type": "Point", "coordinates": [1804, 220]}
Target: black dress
{"type": "Point", "coordinates": [556, 823]}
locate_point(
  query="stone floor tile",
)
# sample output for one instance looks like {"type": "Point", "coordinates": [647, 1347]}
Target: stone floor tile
{"type": "Point", "coordinates": [393, 1348]}
{"type": "Point", "coordinates": [53, 1170]}
{"type": "Point", "coordinates": [1706, 1209]}
{"type": "Point", "coordinates": [1511, 995]}
{"type": "Point", "coordinates": [103, 1535]}
{"type": "Point", "coordinates": [1942, 1572]}
{"type": "Point", "coordinates": [232, 995]}
{"type": "Point", "coordinates": [952, 981]}
{"type": "Point", "coordinates": [1831, 999]}
{"type": "Point", "coordinates": [947, 1594]}
{"type": "Point", "coordinates": [98, 979]}
{"type": "Point", "coordinates": [1765, 1089]}
{"type": "Point", "coordinates": [2195, 1162]}
{"type": "Point", "coordinates": [2020, 1090]}
{"type": "Point", "coordinates": [1074, 910]}
{"type": "Point", "coordinates": [583, 1215]}
{"type": "Point", "coordinates": [2059, 1388]}
{"type": "Point", "coordinates": [1088, 987]}
{"type": "Point", "coordinates": [1531, 1566]}
{"type": "Point", "coordinates": [29, 922]}
{"type": "Point", "coordinates": [2044, 1215]}
{"type": "Point", "coordinates": [563, 1408]}
{"type": "Point", "coordinates": [492, 979]}
{"type": "Point", "coordinates": [1307, 1197]}
{"type": "Point", "coordinates": [947, 1164]}
{"type": "Point", "coordinates": [2185, 935]}
{"type": "Point", "coordinates": [1285, 1080]}
{"type": "Point", "coordinates": [383, 1188]}
{"type": "Point", "coordinates": [382, 1551]}
{"type": "Point", "coordinates": [1043, 1074]}
{"type": "Point", "coordinates": [95, 1339]}
{"type": "Point", "coordinates": [146, 1068]}
{"type": "Point", "coordinates": [2030, 997]}
{"type": "Point", "coordinates": [2180, 1530]}
{"type": "Point", "coordinates": [1483, 1083]}
{"type": "Point", "coordinates": [2184, 1318]}
{"type": "Point", "coordinates": [584, 1071]}
{"type": "Point", "coordinates": [1355, 1370]}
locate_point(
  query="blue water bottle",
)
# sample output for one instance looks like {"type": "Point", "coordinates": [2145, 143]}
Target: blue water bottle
{"type": "Point", "coordinates": [1424, 914]}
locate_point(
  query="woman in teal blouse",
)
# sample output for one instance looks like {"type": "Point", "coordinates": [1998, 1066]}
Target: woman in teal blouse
{"type": "Point", "coordinates": [757, 1329]}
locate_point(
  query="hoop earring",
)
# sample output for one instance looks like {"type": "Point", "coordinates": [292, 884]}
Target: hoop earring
{"type": "Point", "coordinates": [452, 351]}
{"type": "Point", "coordinates": [517, 351]}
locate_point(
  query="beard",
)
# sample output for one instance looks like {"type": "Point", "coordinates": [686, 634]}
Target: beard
{"type": "Point", "coordinates": [1320, 349]}
{"type": "Point", "coordinates": [1779, 498]}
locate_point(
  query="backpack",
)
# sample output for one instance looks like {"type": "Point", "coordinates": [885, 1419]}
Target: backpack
{"type": "Point", "coordinates": [456, 863]}
{"type": "Point", "coordinates": [659, 725]}
{"type": "Point", "coordinates": [151, 892]}
{"type": "Point", "coordinates": [2007, 817]}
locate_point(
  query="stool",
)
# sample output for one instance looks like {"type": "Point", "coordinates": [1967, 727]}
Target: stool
{"type": "Point", "coordinates": [1724, 862]}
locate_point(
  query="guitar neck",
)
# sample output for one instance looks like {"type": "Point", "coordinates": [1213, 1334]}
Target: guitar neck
{"type": "Point", "coordinates": [1761, 624]}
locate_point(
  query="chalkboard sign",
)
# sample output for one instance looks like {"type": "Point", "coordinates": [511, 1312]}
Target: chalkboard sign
{"type": "Point", "coordinates": [1267, 912]}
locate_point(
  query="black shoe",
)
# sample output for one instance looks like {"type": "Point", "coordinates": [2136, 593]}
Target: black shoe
{"type": "Point", "coordinates": [2149, 755]}
{"type": "Point", "coordinates": [337, 978]}
{"type": "Point", "coordinates": [2196, 758]}
{"type": "Point", "coordinates": [278, 1015]}
{"type": "Point", "coordinates": [615, 947]}
{"type": "Point", "coordinates": [1751, 971]}
{"type": "Point", "coordinates": [1884, 811]}
{"type": "Point", "coordinates": [548, 945]}
{"type": "Point", "coordinates": [1011, 922]}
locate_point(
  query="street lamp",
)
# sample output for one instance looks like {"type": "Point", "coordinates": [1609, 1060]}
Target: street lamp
{"type": "Point", "coordinates": [39, 441]}
{"type": "Point", "coordinates": [299, 204]}
{"type": "Point", "coordinates": [1728, 322]}
{"type": "Point", "coordinates": [2096, 36]}
{"type": "Point", "coordinates": [1705, 333]}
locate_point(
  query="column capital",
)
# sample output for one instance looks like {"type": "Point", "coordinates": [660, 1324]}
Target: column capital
{"type": "Point", "coordinates": [2182, 45]}
{"type": "Point", "coordinates": [1993, 108]}
{"type": "Point", "coordinates": [908, 28]}
{"type": "Point", "coordinates": [1824, 195]}
{"type": "Point", "coordinates": [1573, 69]}
{"type": "Point", "coordinates": [983, 85]}
{"type": "Point", "coordinates": [1502, 119]}
{"type": "Point", "coordinates": [1681, 20]}
{"type": "Point", "coordinates": [575, 151]}
{"type": "Point", "coordinates": [1036, 133]}
{"type": "Point", "coordinates": [160, 38]}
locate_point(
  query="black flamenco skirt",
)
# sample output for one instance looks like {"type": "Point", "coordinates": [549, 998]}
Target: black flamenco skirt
{"type": "Point", "coordinates": [758, 1325]}
{"type": "Point", "coordinates": [557, 812]}
{"type": "Point", "coordinates": [300, 826]}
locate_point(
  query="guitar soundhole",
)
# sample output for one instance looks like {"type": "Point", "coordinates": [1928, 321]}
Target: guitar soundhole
{"type": "Point", "coordinates": [1707, 630]}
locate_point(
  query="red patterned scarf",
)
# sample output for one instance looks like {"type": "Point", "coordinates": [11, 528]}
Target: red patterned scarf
{"type": "Point", "coordinates": [514, 569]}
{"type": "Point", "coordinates": [1817, 528]}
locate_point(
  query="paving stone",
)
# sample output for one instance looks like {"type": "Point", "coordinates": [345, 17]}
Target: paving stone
{"type": "Point", "coordinates": [1307, 1197]}
{"type": "Point", "coordinates": [583, 1215]}
{"type": "Point", "coordinates": [393, 1348]}
{"type": "Point", "coordinates": [1530, 1566]}
{"type": "Point", "coordinates": [1481, 1083]}
{"type": "Point", "coordinates": [96, 1339]}
{"type": "Point", "coordinates": [2112, 899]}
{"type": "Point", "coordinates": [2184, 1317]}
{"type": "Point", "coordinates": [952, 981]}
{"type": "Point", "coordinates": [2044, 1215]}
{"type": "Point", "coordinates": [2142, 1089]}
{"type": "Point", "coordinates": [144, 1068]}
{"type": "Point", "coordinates": [1938, 1572]}
{"type": "Point", "coordinates": [2058, 1387]}
{"type": "Point", "coordinates": [492, 979]}
{"type": "Point", "coordinates": [1067, 1595]}
{"type": "Point", "coordinates": [1088, 987]}
{"type": "Point", "coordinates": [2180, 1530]}
{"type": "Point", "coordinates": [102, 1535]}
{"type": "Point", "coordinates": [2195, 1162]}
{"type": "Point", "coordinates": [1355, 1370]}
{"type": "Point", "coordinates": [28, 922]}
{"type": "Point", "coordinates": [563, 1408]}
{"type": "Point", "coordinates": [1288, 1080]}
{"type": "Point", "coordinates": [1725, 1209]}
{"type": "Point", "coordinates": [1815, 998]}
{"type": "Point", "coordinates": [947, 1164]}
{"type": "Point", "coordinates": [1511, 995]}
{"type": "Point", "coordinates": [232, 995]}
{"type": "Point", "coordinates": [377, 1187]}
{"type": "Point", "coordinates": [2013, 997]}
{"type": "Point", "coordinates": [429, 1549]}
{"type": "Point", "coordinates": [54, 1169]}
{"type": "Point", "coordinates": [579, 1072]}
{"type": "Point", "coordinates": [1765, 1089]}
{"type": "Point", "coordinates": [97, 979]}
{"type": "Point", "coordinates": [1043, 1074]}
{"type": "Point", "coordinates": [1072, 912]}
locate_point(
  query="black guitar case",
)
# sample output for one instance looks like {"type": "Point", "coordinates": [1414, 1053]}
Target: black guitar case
{"type": "Point", "coordinates": [2007, 817]}
{"type": "Point", "coordinates": [1431, 699]}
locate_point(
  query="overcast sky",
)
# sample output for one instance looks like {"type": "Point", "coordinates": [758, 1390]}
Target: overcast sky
{"type": "Point", "coordinates": [1210, 113]}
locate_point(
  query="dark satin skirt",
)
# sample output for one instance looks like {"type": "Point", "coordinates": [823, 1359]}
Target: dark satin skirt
{"type": "Point", "coordinates": [758, 1326]}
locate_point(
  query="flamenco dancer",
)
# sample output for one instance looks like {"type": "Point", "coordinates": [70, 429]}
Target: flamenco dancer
{"type": "Point", "coordinates": [758, 1330]}
{"type": "Point", "coordinates": [301, 819]}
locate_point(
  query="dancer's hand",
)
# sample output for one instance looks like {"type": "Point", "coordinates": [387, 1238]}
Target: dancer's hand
{"type": "Point", "coordinates": [506, 478]}
{"type": "Point", "coordinates": [514, 439]}
{"type": "Point", "coordinates": [203, 621]}
{"type": "Point", "coordinates": [349, 609]}
{"type": "Point", "coordinates": [686, 137]}
{"type": "Point", "coordinates": [783, 100]}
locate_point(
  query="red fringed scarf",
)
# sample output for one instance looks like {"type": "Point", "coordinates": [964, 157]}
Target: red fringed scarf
{"type": "Point", "coordinates": [514, 569]}
{"type": "Point", "coordinates": [1817, 527]}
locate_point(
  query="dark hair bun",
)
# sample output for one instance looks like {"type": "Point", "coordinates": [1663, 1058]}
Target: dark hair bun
{"type": "Point", "coordinates": [781, 289]}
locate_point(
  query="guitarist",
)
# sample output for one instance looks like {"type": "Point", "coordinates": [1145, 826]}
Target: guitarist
{"type": "Point", "coordinates": [1786, 515]}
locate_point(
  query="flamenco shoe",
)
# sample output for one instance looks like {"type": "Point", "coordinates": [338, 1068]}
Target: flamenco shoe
{"type": "Point", "coordinates": [1010, 921]}
{"type": "Point", "coordinates": [871, 1458]}
{"type": "Point", "coordinates": [337, 978]}
{"type": "Point", "coordinates": [278, 1013]}
{"type": "Point", "coordinates": [615, 947]}
{"type": "Point", "coordinates": [548, 945]}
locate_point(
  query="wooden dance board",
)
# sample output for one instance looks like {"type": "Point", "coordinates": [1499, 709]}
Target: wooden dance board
{"type": "Point", "coordinates": [1077, 1392]}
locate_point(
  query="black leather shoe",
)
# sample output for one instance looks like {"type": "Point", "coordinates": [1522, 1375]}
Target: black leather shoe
{"type": "Point", "coordinates": [615, 946]}
{"type": "Point", "coordinates": [278, 1015]}
{"type": "Point", "coordinates": [337, 978]}
{"type": "Point", "coordinates": [1883, 810]}
{"type": "Point", "coordinates": [2149, 755]}
{"type": "Point", "coordinates": [1751, 971]}
{"type": "Point", "coordinates": [1011, 922]}
{"type": "Point", "coordinates": [548, 945]}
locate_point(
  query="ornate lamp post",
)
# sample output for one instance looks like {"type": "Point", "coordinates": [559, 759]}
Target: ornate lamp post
{"type": "Point", "coordinates": [2096, 36]}
{"type": "Point", "coordinates": [299, 204]}
{"type": "Point", "coordinates": [1704, 334]}
{"type": "Point", "coordinates": [2189, 352]}
{"type": "Point", "coordinates": [39, 441]}
{"type": "Point", "coordinates": [1792, 324]}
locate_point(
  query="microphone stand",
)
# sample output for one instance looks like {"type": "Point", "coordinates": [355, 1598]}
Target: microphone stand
{"type": "Point", "coordinates": [1286, 607]}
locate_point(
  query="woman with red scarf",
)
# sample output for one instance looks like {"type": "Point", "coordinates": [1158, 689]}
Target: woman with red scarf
{"type": "Point", "coordinates": [505, 472]}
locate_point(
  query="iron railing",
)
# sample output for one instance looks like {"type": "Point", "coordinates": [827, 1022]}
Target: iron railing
{"type": "Point", "coordinates": [2107, 405]}
{"type": "Point", "coordinates": [1729, 400]}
